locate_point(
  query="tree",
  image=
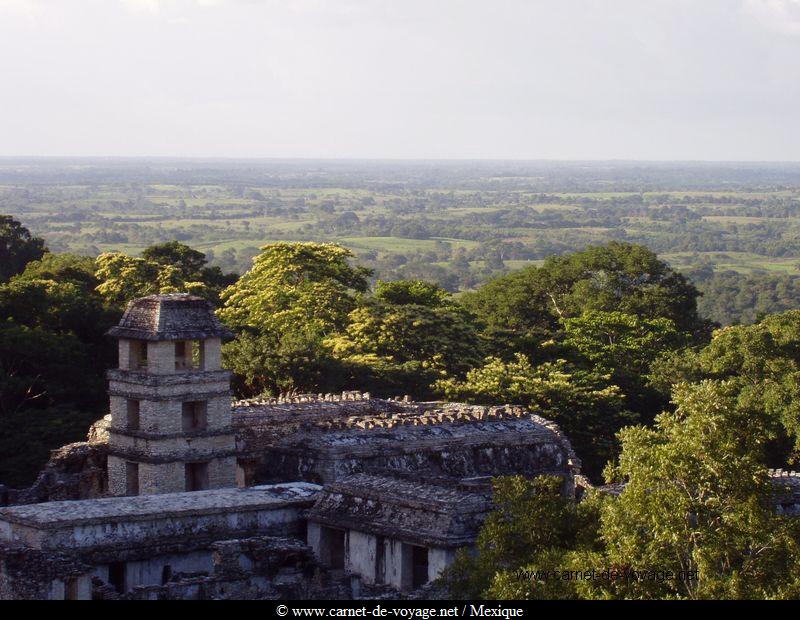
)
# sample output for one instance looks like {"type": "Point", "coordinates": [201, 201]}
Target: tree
{"type": "Point", "coordinates": [698, 502]}
{"type": "Point", "coordinates": [42, 369]}
{"type": "Point", "coordinates": [62, 267]}
{"type": "Point", "coordinates": [623, 346]}
{"type": "Point", "coordinates": [285, 363]}
{"type": "Point", "coordinates": [292, 285]}
{"type": "Point", "coordinates": [410, 329]}
{"type": "Point", "coordinates": [587, 406]}
{"type": "Point", "coordinates": [532, 527]}
{"type": "Point", "coordinates": [695, 518]}
{"type": "Point", "coordinates": [524, 308]}
{"type": "Point", "coordinates": [187, 260]}
{"type": "Point", "coordinates": [191, 266]}
{"type": "Point", "coordinates": [761, 361]}
{"type": "Point", "coordinates": [294, 296]}
{"type": "Point", "coordinates": [123, 278]}
{"type": "Point", "coordinates": [17, 247]}
{"type": "Point", "coordinates": [57, 307]}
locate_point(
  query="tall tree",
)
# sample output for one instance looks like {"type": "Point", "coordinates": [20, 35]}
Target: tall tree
{"type": "Point", "coordinates": [524, 307]}
{"type": "Point", "coordinates": [408, 330]}
{"type": "Point", "coordinates": [294, 296]}
{"type": "Point", "coordinates": [17, 247]}
{"type": "Point", "coordinates": [698, 502]}
{"type": "Point", "coordinates": [292, 285]}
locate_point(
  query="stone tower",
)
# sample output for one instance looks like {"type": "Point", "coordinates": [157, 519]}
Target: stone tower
{"type": "Point", "coordinates": [170, 400]}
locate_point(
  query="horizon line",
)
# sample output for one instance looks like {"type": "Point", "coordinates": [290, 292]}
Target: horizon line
{"type": "Point", "coordinates": [233, 158]}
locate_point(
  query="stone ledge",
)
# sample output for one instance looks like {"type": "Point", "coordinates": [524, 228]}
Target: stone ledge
{"type": "Point", "coordinates": [227, 430]}
{"type": "Point", "coordinates": [53, 515]}
{"type": "Point", "coordinates": [182, 376]}
{"type": "Point", "coordinates": [184, 456]}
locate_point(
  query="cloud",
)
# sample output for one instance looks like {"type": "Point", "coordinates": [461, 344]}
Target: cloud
{"type": "Point", "coordinates": [30, 9]}
{"type": "Point", "coordinates": [153, 7]}
{"type": "Point", "coordinates": [778, 15]}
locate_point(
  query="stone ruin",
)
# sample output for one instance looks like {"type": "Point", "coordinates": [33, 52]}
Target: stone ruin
{"type": "Point", "coordinates": [180, 493]}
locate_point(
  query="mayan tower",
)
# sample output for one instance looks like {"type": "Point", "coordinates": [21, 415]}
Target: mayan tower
{"type": "Point", "coordinates": [170, 400]}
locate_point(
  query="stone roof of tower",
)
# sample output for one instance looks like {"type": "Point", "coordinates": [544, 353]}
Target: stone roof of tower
{"type": "Point", "coordinates": [172, 316]}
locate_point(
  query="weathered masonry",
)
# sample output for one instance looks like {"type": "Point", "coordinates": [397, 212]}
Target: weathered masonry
{"type": "Point", "coordinates": [323, 438]}
{"type": "Point", "coordinates": [144, 546]}
{"type": "Point", "coordinates": [340, 495]}
{"type": "Point", "coordinates": [396, 530]}
{"type": "Point", "coordinates": [170, 400]}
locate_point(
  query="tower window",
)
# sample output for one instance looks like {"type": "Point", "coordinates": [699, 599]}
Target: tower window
{"type": "Point", "coordinates": [196, 476]}
{"type": "Point", "coordinates": [194, 415]}
{"type": "Point", "coordinates": [187, 355]}
{"type": "Point", "coordinates": [138, 354]}
{"type": "Point", "coordinates": [131, 478]}
{"type": "Point", "coordinates": [132, 415]}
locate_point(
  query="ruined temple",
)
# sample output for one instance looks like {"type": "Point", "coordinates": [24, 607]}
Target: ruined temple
{"type": "Point", "coordinates": [181, 493]}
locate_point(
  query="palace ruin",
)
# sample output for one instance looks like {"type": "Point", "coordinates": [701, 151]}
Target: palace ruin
{"type": "Point", "coordinates": [180, 493]}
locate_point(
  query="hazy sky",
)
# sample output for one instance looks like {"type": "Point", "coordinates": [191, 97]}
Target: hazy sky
{"type": "Point", "coordinates": [530, 79]}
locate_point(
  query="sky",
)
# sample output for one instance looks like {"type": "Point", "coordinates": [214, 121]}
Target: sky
{"type": "Point", "coordinates": [400, 79]}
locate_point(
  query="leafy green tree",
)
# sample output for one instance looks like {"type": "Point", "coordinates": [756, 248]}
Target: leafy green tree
{"type": "Point", "coordinates": [62, 267]}
{"type": "Point", "coordinates": [124, 277]}
{"type": "Point", "coordinates": [409, 329]}
{"type": "Point", "coordinates": [285, 363]}
{"type": "Point", "coordinates": [695, 518]}
{"type": "Point", "coordinates": [623, 346]}
{"type": "Point", "coordinates": [292, 285]}
{"type": "Point", "coordinates": [17, 247]}
{"type": "Point", "coordinates": [191, 265]}
{"type": "Point", "coordinates": [533, 525]}
{"type": "Point", "coordinates": [412, 292]}
{"type": "Point", "coordinates": [41, 369]}
{"type": "Point", "coordinates": [589, 409]}
{"type": "Point", "coordinates": [186, 259]}
{"type": "Point", "coordinates": [698, 502]}
{"type": "Point", "coordinates": [524, 307]}
{"type": "Point", "coordinates": [57, 307]}
{"type": "Point", "coordinates": [295, 295]}
{"type": "Point", "coordinates": [762, 361]}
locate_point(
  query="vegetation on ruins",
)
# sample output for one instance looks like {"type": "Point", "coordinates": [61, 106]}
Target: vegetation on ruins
{"type": "Point", "coordinates": [438, 294]}
{"type": "Point", "coordinates": [591, 340]}
{"type": "Point", "coordinates": [695, 518]}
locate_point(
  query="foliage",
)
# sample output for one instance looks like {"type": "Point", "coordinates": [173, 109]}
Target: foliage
{"type": "Point", "coordinates": [623, 346]}
{"type": "Point", "coordinates": [533, 524]}
{"type": "Point", "coordinates": [614, 277]}
{"type": "Point", "coordinates": [306, 286]}
{"type": "Point", "coordinates": [695, 518]}
{"type": "Point", "coordinates": [42, 369]}
{"type": "Point", "coordinates": [407, 325]}
{"type": "Point", "coordinates": [62, 268]}
{"type": "Point", "coordinates": [761, 361]}
{"type": "Point", "coordinates": [126, 277]}
{"type": "Point", "coordinates": [293, 297]}
{"type": "Point", "coordinates": [17, 247]}
{"type": "Point", "coordinates": [698, 501]}
{"type": "Point", "coordinates": [589, 409]}
{"type": "Point", "coordinates": [412, 292]}
{"type": "Point", "coordinates": [59, 307]}
{"type": "Point", "coordinates": [191, 266]}
{"type": "Point", "coordinates": [281, 363]}
{"type": "Point", "coordinates": [39, 431]}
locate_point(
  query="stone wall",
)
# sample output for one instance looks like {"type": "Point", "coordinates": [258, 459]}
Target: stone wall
{"type": "Point", "coordinates": [74, 471]}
